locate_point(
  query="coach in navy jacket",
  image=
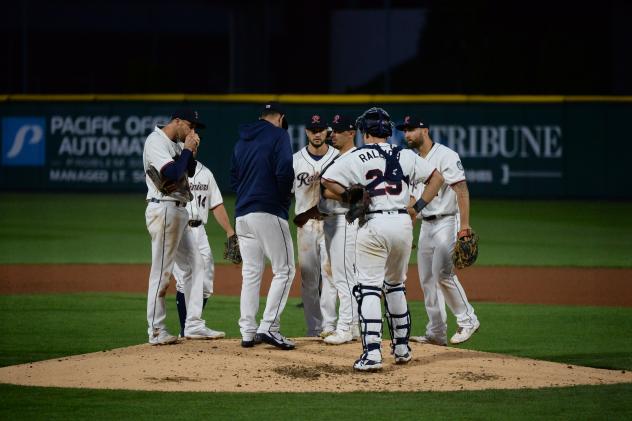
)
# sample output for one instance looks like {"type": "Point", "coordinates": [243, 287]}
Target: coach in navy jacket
{"type": "Point", "coordinates": [262, 173]}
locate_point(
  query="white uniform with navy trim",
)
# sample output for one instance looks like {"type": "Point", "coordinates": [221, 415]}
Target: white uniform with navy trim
{"type": "Point", "coordinates": [171, 241]}
{"type": "Point", "coordinates": [319, 304]}
{"type": "Point", "coordinates": [206, 196]}
{"type": "Point", "coordinates": [340, 239]}
{"type": "Point", "coordinates": [436, 243]}
{"type": "Point", "coordinates": [384, 242]}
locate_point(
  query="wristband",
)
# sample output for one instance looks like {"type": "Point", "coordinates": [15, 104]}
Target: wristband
{"type": "Point", "coordinates": [421, 203]}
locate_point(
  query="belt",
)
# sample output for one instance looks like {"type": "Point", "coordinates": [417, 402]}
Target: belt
{"type": "Point", "coordinates": [433, 217]}
{"type": "Point", "coordinates": [389, 212]}
{"type": "Point", "coordinates": [175, 202]}
{"type": "Point", "coordinates": [195, 224]}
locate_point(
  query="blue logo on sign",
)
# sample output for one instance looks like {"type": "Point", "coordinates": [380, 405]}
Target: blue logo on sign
{"type": "Point", "coordinates": [23, 141]}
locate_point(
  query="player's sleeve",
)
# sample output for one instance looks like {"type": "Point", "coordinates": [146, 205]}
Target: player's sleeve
{"type": "Point", "coordinates": [214, 195]}
{"type": "Point", "coordinates": [452, 169]}
{"type": "Point", "coordinates": [283, 165]}
{"type": "Point", "coordinates": [343, 172]}
{"type": "Point", "coordinates": [157, 154]}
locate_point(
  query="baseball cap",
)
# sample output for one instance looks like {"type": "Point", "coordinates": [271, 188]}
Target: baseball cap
{"type": "Point", "coordinates": [316, 123]}
{"type": "Point", "coordinates": [272, 106]}
{"type": "Point", "coordinates": [342, 123]}
{"type": "Point", "coordinates": [411, 122]}
{"type": "Point", "coordinates": [190, 115]}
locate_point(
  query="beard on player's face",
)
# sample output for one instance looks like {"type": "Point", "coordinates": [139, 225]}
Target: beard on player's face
{"type": "Point", "coordinates": [413, 139]}
{"type": "Point", "coordinates": [316, 139]}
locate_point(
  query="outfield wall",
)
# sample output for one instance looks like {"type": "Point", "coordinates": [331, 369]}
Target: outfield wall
{"type": "Point", "coordinates": [532, 147]}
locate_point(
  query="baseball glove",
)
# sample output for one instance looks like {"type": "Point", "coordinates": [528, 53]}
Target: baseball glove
{"type": "Point", "coordinates": [302, 218]}
{"type": "Point", "coordinates": [465, 249]}
{"type": "Point", "coordinates": [178, 189]}
{"type": "Point", "coordinates": [231, 249]}
{"type": "Point", "coordinates": [359, 202]}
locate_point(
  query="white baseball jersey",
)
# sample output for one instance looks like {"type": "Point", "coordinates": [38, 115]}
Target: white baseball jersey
{"type": "Point", "coordinates": [206, 194]}
{"type": "Point", "coordinates": [307, 178]}
{"type": "Point", "coordinates": [159, 150]}
{"type": "Point", "coordinates": [449, 165]}
{"type": "Point", "coordinates": [330, 206]}
{"type": "Point", "coordinates": [365, 165]}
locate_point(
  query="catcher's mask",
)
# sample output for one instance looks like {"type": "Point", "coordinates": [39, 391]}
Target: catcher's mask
{"type": "Point", "coordinates": [376, 122]}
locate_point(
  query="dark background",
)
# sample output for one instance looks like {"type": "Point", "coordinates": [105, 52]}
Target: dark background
{"type": "Point", "coordinates": [189, 46]}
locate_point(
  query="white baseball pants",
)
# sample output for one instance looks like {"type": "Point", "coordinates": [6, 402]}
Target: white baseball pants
{"type": "Point", "coordinates": [319, 299]}
{"type": "Point", "coordinates": [382, 253]}
{"type": "Point", "coordinates": [182, 272]}
{"type": "Point", "coordinates": [171, 241]}
{"type": "Point", "coordinates": [340, 239]}
{"type": "Point", "coordinates": [439, 283]}
{"type": "Point", "coordinates": [264, 235]}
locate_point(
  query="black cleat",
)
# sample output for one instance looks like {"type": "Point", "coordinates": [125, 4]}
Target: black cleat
{"type": "Point", "coordinates": [277, 340]}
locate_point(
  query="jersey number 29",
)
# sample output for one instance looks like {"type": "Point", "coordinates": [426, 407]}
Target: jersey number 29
{"type": "Point", "coordinates": [377, 176]}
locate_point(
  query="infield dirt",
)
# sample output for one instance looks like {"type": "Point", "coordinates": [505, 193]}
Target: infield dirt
{"type": "Point", "coordinates": [223, 366]}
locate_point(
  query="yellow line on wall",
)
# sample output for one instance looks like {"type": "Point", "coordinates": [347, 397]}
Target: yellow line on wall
{"type": "Point", "coordinates": [311, 99]}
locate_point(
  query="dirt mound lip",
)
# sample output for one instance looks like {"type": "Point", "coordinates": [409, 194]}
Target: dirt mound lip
{"type": "Point", "coordinates": [223, 366]}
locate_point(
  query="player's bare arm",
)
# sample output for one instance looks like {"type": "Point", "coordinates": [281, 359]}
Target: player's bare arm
{"type": "Point", "coordinates": [463, 202]}
{"type": "Point", "coordinates": [221, 216]}
{"type": "Point", "coordinates": [435, 182]}
{"type": "Point", "coordinates": [335, 190]}
{"type": "Point", "coordinates": [328, 194]}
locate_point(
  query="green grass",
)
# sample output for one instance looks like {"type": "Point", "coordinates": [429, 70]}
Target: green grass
{"type": "Point", "coordinates": [37, 327]}
{"type": "Point", "coordinates": [58, 228]}
{"type": "Point", "coordinates": [586, 402]}
{"type": "Point", "coordinates": [90, 322]}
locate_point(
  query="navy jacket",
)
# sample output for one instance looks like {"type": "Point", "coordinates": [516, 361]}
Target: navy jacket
{"type": "Point", "coordinates": [262, 173]}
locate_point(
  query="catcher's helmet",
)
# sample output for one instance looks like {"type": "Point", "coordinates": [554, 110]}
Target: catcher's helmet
{"type": "Point", "coordinates": [376, 122]}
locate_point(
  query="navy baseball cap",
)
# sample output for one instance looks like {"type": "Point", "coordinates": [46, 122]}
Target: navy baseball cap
{"type": "Point", "coordinates": [411, 122]}
{"type": "Point", "coordinates": [342, 123]}
{"type": "Point", "coordinates": [189, 115]}
{"type": "Point", "coordinates": [272, 107]}
{"type": "Point", "coordinates": [316, 123]}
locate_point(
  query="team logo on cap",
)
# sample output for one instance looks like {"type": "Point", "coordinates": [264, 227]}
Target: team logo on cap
{"type": "Point", "coordinates": [407, 119]}
{"type": "Point", "coordinates": [315, 119]}
{"type": "Point", "coordinates": [268, 105]}
{"type": "Point", "coordinates": [336, 119]}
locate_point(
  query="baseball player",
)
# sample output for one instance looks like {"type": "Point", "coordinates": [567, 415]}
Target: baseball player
{"type": "Point", "coordinates": [447, 217]}
{"type": "Point", "coordinates": [262, 175]}
{"type": "Point", "coordinates": [206, 196]}
{"type": "Point", "coordinates": [340, 238]}
{"type": "Point", "coordinates": [384, 242]}
{"type": "Point", "coordinates": [319, 307]}
{"type": "Point", "coordinates": [167, 161]}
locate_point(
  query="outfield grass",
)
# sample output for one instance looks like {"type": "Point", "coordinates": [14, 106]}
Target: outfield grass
{"type": "Point", "coordinates": [573, 403]}
{"type": "Point", "coordinates": [55, 228]}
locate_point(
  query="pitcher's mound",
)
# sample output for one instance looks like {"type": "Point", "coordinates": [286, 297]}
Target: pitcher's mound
{"type": "Point", "coordinates": [223, 366]}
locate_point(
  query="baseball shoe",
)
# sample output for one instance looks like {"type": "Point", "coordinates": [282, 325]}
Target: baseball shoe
{"type": "Point", "coordinates": [427, 340]}
{"type": "Point", "coordinates": [355, 332]}
{"type": "Point", "coordinates": [249, 343]}
{"type": "Point", "coordinates": [339, 337]}
{"type": "Point", "coordinates": [278, 340]}
{"type": "Point", "coordinates": [365, 364]}
{"type": "Point", "coordinates": [162, 337]}
{"type": "Point", "coordinates": [464, 333]}
{"type": "Point", "coordinates": [204, 333]}
{"type": "Point", "coordinates": [404, 355]}
{"type": "Point", "coordinates": [325, 333]}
